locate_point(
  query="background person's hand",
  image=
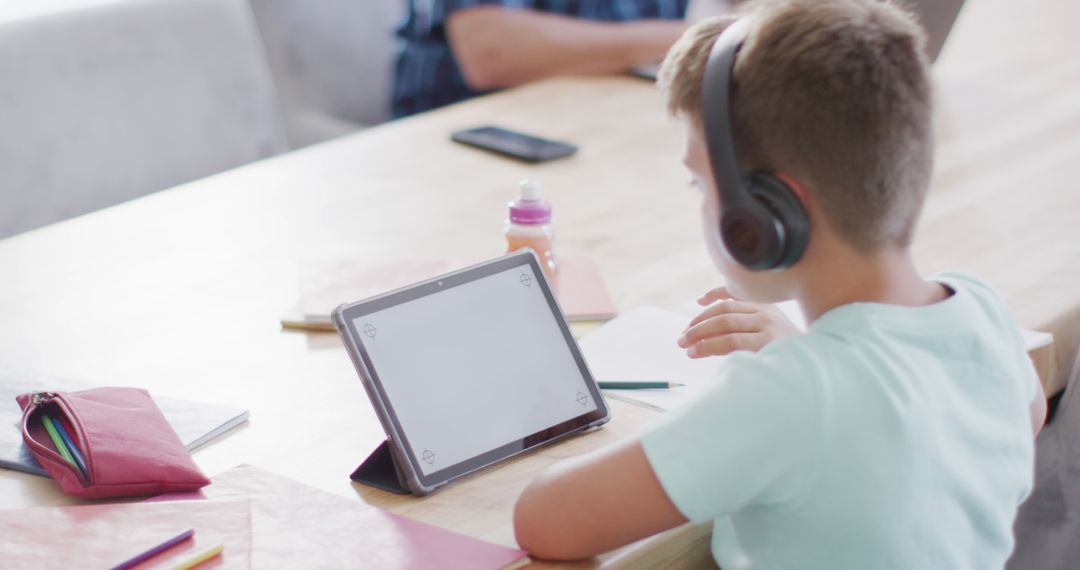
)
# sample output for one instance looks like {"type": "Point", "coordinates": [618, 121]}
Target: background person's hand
{"type": "Point", "coordinates": [728, 325]}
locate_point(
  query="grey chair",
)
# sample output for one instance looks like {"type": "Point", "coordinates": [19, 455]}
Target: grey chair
{"type": "Point", "coordinates": [106, 103]}
{"type": "Point", "coordinates": [1048, 525]}
{"type": "Point", "coordinates": [333, 62]}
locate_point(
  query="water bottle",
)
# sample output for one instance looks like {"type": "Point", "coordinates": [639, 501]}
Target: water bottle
{"type": "Point", "coordinates": [530, 226]}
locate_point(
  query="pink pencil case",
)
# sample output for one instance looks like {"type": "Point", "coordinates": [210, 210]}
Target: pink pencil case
{"type": "Point", "coordinates": [124, 443]}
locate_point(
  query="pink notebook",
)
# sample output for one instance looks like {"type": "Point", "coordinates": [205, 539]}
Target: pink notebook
{"type": "Point", "coordinates": [581, 291]}
{"type": "Point", "coordinates": [326, 284]}
{"type": "Point", "coordinates": [297, 526]}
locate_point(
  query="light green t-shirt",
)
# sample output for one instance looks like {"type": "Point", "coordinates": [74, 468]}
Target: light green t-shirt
{"type": "Point", "coordinates": [886, 437]}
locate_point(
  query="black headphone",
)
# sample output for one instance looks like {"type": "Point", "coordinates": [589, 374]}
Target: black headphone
{"type": "Point", "coordinates": [763, 224]}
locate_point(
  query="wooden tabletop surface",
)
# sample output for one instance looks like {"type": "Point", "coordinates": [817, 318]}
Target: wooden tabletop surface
{"type": "Point", "coordinates": [181, 291]}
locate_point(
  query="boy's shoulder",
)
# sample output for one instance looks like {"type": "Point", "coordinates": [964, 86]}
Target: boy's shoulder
{"type": "Point", "coordinates": [986, 307]}
{"type": "Point", "coordinates": [967, 280]}
{"type": "Point", "coordinates": [980, 290]}
{"type": "Point", "coordinates": [973, 306]}
{"type": "Point", "coordinates": [971, 298]}
{"type": "Point", "coordinates": [974, 312]}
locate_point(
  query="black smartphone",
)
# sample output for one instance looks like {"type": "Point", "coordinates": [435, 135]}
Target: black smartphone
{"type": "Point", "coordinates": [513, 144]}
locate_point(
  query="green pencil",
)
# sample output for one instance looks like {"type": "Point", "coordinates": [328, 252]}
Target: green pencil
{"type": "Point", "coordinates": [59, 443]}
{"type": "Point", "coordinates": [637, 385]}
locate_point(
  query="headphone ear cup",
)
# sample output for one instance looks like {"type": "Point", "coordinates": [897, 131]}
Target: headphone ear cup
{"type": "Point", "coordinates": [788, 218]}
{"type": "Point", "coordinates": [749, 234]}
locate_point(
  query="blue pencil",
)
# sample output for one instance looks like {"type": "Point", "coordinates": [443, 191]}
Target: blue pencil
{"type": "Point", "coordinates": [74, 449]}
{"type": "Point", "coordinates": [156, 550]}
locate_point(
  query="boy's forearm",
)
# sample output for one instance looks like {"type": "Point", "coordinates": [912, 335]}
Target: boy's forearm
{"type": "Point", "coordinates": [593, 503]}
{"type": "Point", "coordinates": [499, 47]}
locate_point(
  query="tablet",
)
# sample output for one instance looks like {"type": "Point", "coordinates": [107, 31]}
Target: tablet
{"type": "Point", "coordinates": [470, 368]}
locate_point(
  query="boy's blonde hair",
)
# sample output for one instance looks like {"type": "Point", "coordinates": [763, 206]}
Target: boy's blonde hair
{"type": "Point", "coordinates": [835, 93]}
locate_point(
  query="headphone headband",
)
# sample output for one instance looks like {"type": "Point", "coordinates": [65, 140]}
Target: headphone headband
{"type": "Point", "coordinates": [716, 112]}
{"type": "Point", "coordinates": [763, 224]}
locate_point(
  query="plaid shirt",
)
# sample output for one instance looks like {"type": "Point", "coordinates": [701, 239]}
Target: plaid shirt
{"type": "Point", "coordinates": [427, 75]}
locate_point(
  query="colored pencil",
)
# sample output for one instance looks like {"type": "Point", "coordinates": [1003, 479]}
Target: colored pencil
{"type": "Point", "coordinates": [200, 558]}
{"type": "Point", "coordinates": [156, 550]}
{"type": "Point", "coordinates": [71, 446]}
{"type": "Point", "coordinates": [637, 385]}
{"type": "Point", "coordinates": [59, 443]}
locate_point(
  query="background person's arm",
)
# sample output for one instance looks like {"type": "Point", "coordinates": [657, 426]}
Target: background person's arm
{"type": "Point", "coordinates": [500, 47]}
{"type": "Point", "coordinates": [592, 504]}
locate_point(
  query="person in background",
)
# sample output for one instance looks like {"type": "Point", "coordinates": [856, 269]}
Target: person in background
{"type": "Point", "coordinates": [455, 49]}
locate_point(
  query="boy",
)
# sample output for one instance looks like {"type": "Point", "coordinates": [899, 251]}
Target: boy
{"type": "Point", "coordinates": [897, 431]}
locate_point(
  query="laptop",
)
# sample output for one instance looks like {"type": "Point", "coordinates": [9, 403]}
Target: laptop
{"type": "Point", "coordinates": [937, 18]}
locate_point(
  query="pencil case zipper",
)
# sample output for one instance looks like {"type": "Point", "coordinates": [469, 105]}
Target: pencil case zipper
{"type": "Point", "coordinates": [39, 402]}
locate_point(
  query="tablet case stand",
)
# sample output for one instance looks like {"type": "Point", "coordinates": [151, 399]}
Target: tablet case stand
{"type": "Point", "coordinates": [380, 470]}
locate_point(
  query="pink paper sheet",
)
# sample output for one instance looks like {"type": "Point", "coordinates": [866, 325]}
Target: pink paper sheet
{"type": "Point", "coordinates": [297, 526]}
{"type": "Point", "coordinates": [102, 536]}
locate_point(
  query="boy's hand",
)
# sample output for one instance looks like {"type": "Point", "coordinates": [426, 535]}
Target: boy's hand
{"type": "Point", "coordinates": [733, 325]}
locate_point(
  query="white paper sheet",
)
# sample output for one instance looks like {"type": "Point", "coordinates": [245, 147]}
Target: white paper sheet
{"type": "Point", "coordinates": [642, 345]}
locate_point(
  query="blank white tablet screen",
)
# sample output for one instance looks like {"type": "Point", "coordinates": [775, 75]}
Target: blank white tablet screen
{"type": "Point", "coordinates": [474, 367]}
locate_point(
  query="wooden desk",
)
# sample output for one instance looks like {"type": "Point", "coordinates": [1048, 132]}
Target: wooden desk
{"type": "Point", "coordinates": [1004, 202]}
{"type": "Point", "coordinates": [181, 291]}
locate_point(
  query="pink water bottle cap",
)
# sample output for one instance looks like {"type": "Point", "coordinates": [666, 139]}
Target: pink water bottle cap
{"type": "Point", "coordinates": [531, 207]}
